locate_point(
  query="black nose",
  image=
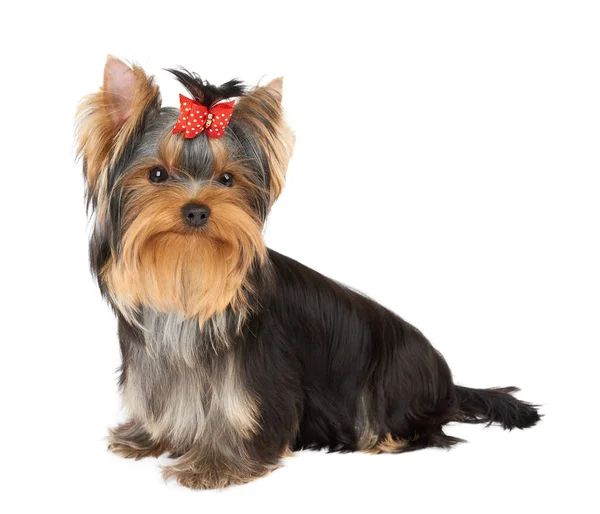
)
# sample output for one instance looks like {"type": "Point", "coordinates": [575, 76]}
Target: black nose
{"type": "Point", "coordinates": [195, 214]}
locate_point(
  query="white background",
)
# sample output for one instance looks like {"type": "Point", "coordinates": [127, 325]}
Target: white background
{"type": "Point", "coordinates": [447, 164]}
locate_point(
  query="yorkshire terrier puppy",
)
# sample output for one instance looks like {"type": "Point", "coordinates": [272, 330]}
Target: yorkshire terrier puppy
{"type": "Point", "coordinates": [233, 354]}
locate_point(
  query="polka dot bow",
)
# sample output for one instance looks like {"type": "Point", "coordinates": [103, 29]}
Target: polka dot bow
{"type": "Point", "coordinates": [196, 118]}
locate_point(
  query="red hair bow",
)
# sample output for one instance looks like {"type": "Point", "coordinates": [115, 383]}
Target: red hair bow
{"type": "Point", "coordinates": [195, 118]}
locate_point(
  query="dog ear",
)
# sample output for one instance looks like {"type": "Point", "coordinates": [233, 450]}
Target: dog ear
{"type": "Point", "coordinates": [277, 85]}
{"type": "Point", "coordinates": [261, 109]}
{"type": "Point", "coordinates": [120, 86]}
{"type": "Point", "coordinates": [107, 120]}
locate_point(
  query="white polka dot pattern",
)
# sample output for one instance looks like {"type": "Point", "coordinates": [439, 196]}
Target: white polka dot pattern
{"type": "Point", "coordinates": [196, 118]}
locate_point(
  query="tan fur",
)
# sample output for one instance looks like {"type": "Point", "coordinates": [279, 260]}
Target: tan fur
{"type": "Point", "coordinates": [170, 150]}
{"type": "Point", "coordinates": [388, 444]}
{"type": "Point", "coordinates": [105, 123]}
{"type": "Point", "coordinates": [265, 103]}
{"type": "Point", "coordinates": [205, 473]}
{"type": "Point", "coordinates": [288, 452]}
{"type": "Point", "coordinates": [212, 470]}
{"type": "Point", "coordinates": [169, 268]}
{"type": "Point", "coordinates": [131, 441]}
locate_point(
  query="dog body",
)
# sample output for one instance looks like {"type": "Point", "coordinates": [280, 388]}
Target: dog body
{"type": "Point", "coordinates": [233, 354]}
{"type": "Point", "coordinates": [343, 374]}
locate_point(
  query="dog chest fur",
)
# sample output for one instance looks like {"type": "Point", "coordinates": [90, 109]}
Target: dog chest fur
{"type": "Point", "coordinates": [181, 391]}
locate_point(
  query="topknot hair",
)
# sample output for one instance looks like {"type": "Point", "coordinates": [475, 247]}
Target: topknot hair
{"type": "Point", "coordinates": [204, 92]}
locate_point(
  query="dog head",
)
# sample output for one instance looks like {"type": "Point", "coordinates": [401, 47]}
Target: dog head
{"type": "Point", "coordinates": [178, 220]}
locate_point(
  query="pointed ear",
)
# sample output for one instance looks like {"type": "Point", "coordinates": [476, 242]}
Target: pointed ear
{"type": "Point", "coordinates": [120, 85]}
{"type": "Point", "coordinates": [277, 85]}
{"type": "Point", "coordinates": [261, 110]}
{"type": "Point", "coordinates": [107, 120]}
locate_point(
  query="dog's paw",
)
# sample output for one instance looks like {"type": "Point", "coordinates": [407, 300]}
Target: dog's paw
{"type": "Point", "coordinates": [131, 442]}
{"type": "Point", "coordinates": [214, 476]}
{"type": "Point", "coordinates": [130, 452]}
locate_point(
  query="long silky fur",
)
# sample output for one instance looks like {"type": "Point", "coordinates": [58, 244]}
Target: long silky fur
{"type": "Point", "coordinates": [496, 405]}
{"type": "Point", "coordinates": [233, 354]}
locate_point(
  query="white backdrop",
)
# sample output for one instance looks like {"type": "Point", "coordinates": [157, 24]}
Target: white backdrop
{"type": "Point", "coordinates": [469, 206]}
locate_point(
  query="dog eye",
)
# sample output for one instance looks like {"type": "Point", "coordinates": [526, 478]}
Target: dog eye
{"type": "Point", "coordinates": [226, 179]}
{"type": "Point", "coordinates": [157, 175]}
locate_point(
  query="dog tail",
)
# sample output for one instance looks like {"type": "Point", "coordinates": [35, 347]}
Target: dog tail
{"type": "Point", "coordinates": [495, 405]}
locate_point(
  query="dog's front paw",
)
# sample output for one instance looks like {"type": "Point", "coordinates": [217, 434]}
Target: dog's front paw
{"type": "Point", "coordinates": [202, 475]}
{"type": "Point", "coordinates": [210, 480]}
{"type": "Point", "coordinates": [131, 441]}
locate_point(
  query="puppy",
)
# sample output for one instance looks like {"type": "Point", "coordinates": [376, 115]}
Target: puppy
{"type": "Point", "coordinates": [233, 354]}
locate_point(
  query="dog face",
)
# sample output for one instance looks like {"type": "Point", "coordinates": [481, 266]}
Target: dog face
{"type": "Point", "coordinates": [178, 222]}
